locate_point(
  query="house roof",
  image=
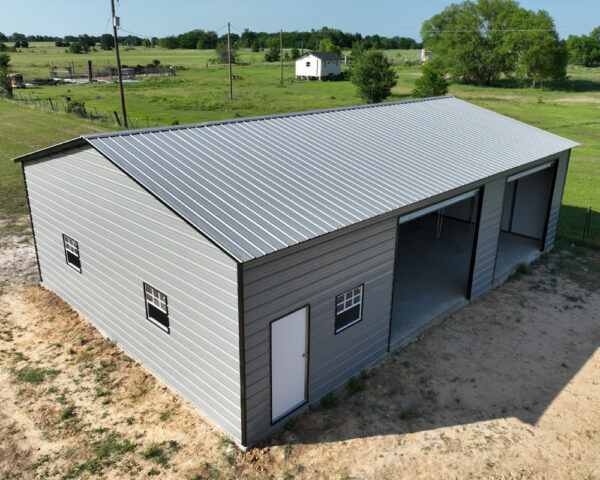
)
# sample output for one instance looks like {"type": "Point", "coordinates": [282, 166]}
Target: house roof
{"type": "Point", "coordinates": [321, 55]}
{"type": "Point", "coordinates": [255, 186]}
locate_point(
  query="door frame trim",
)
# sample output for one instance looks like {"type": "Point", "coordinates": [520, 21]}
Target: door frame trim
{"type": "Point", "coordinates": [306, 370]}
{"type": "Point", "coordinates": [475, 243]}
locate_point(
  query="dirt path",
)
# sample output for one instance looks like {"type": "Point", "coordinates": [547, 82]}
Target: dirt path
{"type": "Point", "coordinates": [508, 387]}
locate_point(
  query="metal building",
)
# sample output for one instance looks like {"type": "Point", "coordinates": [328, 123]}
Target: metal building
{"type": "Point", "coordinates": [254, 271]}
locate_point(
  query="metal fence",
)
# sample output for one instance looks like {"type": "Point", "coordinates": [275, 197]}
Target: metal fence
{"type": "Point", "coordinates": [77, 109]}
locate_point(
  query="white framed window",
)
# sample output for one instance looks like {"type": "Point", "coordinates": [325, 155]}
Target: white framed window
{"type": "Point", "coordinates": [308, 64]}
{"type": "Point", "coordinates": [72, 252]}
{"type": "Point", "coordinates": [157, 308]}
{"type": "Point", "coordinates": [348, 308]}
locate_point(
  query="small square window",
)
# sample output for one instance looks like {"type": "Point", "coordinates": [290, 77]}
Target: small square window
{"type": "Point", "coordinates": [157, 310]}
{"type": "Point", "coordinates": [308, 64]}
{"type": "Point", "coordinates": [348, 308]}
{"type": "Point", "coordinates": [72, 252]}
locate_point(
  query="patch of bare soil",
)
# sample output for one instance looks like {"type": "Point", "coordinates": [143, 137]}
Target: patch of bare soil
{"type": "Point", "coordinates": [578, 99]}
{"type": "Point", "coordinates": [18, 264]}
{"type": "Point", "coordinates": [506, 388]}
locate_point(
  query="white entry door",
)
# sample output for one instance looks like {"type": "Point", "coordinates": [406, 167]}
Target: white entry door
{"type": "Point", "coordinates": [289, 363]}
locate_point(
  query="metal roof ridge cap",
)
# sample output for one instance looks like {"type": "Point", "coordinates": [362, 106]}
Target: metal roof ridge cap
{"type": "Point", "coordinates": [57, 147]}
{"type": "Point", "coordinates": [188, 126]}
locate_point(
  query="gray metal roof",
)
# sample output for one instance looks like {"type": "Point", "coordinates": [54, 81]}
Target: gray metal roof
{"type": "Point", "coordinates": [256, 186]}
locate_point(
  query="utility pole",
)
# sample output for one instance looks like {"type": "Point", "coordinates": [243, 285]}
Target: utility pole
{"type": "Point", "coordinates": [229, 54]}
{"type": "Point", "coordinates": [115, 21]}
{"type": "Point", "coordinates": [281, 56]}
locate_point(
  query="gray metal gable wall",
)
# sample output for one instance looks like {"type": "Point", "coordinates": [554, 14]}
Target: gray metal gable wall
{"type": "Point", "coordinates": [127, 237]}
{"type": "Point", "coordinates": [315, 275]}
{"type": "Point", "coordinates": [487, 237]}
{"type": "Point", "coordinates": [557, 194]}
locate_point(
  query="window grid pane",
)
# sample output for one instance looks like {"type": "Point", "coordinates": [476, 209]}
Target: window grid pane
{"type": "Point", "coordinates": [156, 298]}
{"type": "Point", "coordinates": [348, 300]}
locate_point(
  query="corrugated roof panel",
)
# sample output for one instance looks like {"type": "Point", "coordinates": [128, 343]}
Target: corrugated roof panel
{"type": "Point", "coordinates": [261, 185]}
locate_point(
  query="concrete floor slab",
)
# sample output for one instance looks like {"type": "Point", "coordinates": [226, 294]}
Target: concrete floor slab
{"type": "Point", "coordinates": [431, 274]}
{"type": "Point", "coordinates": [512, 251]}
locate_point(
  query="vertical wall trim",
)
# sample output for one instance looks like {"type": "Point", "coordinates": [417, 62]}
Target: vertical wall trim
{"type": "Point", "coordinates": [475, 243]}
{"type": "Point", "coordinates": [393, 284]}
{"type": "Point", "coordinates": [544, 241]}
{"type": "Point", "coordinates": [242, 343]}
{"type": "Point", "coordinates": [37, 257]}
{"type": "Point", "coordinates": [512, 205]}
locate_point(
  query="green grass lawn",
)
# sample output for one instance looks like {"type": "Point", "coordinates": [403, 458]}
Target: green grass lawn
{"type": "Point", "coordinates": [199, 94]}
{"type": "Point", "coordinates": [23, 130]}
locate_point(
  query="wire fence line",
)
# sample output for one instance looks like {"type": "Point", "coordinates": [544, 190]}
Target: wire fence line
{"type": "Point", "coordinates": [77, 109]}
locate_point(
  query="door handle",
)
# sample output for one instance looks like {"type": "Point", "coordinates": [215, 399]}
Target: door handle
{"type": "Point", "coordinates": [304, 355]}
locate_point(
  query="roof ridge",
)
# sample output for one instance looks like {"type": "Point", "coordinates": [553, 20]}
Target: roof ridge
{"type": "Point", "coordinates": [119, 133]}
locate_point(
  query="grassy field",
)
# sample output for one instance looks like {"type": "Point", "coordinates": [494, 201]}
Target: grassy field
{"type": "Point", "coordinates": [34, 62]}
{"type": "Point", "coordinates": [197, 94]}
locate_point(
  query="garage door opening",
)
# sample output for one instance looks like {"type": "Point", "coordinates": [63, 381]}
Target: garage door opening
{"type": "Point", "coordinates": [524, 219]}
{"type": "Point", "coordinates": [433, 263]}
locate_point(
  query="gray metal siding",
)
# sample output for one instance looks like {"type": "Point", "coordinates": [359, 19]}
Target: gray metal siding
{"type": "Point", "coordinates": [509, 195]}
{"type": "Point", "coordinates": [127, 237]}
{"type": "Point", "coordinates": [315, 275]}
{"type": "Point", "coordinates": [557, 194]}
{"type": "Point", "coordinates": [487, 238]}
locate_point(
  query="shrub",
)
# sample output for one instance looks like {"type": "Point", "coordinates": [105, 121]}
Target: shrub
{"type": "Point", "coordinates": [433, 82]}
{"type": "Point", "coordinates": [374, 76]}
{"type": "Point", "coordinates": [75, 48]}
{"type": "Point", "coordinates": [77, 107]}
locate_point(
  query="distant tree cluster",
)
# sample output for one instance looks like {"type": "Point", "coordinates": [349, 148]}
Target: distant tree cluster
{"type": "Point", "coordinates": [479, 41]}
{"type": "Point", "coordinates": [200, 39]}
{"type": "Point", "coordinates": [585, 50]}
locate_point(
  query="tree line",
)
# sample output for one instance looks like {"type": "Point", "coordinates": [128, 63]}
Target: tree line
{"type": "Point", "coordinates": [203, 40]}
{"type": "Point", "coordinates": [480, 41]}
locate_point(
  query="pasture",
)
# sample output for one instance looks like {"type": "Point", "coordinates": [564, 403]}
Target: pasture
{"type": "Point", "coordinates": [198, 93]}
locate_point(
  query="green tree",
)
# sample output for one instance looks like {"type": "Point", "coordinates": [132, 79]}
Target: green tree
{"type": "Point", "coordinates": [107, 41]}
{"type": "Point", "coordinates": [374, 76]}
{"type": "Point", "coordinates": [294, 53]}
{"type": "Point", "coordinates": [326, 45]}
{"type": "Point", "coordinates": [468, 38]}
{"type": "Point", "coordinates": [146, 43]}
{"type": "Point", "coordinates": [358, 49]}
{"type": "Point", "coordinates": [75, 48]}
{"type": "Point", "coordinates": [5, 83]}
{"type": "Point", "coordinates": [223, 54]}
{"type": "Point", "coordinates": [272, 54]}
{"type": "Point", "coordinates": [254, 47]}
{"type": "Point", "coordinates": [584, 50]}
{"type": "Point", "coordinates": [540, 55]}
{"type": "Point", "coordinates": [433, 83]}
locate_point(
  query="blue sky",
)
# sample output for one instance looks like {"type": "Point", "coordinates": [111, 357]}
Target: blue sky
{"type": "Point", "coordinates": [161, 18]}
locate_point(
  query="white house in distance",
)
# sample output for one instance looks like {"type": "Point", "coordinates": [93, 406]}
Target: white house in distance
{"type": "Point", "coordinates": [318, 65]}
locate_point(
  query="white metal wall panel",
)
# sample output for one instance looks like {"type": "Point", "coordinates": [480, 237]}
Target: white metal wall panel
{"type": "Point", "coordinates": [314, 276]}
{"type": "Point", "coordinates": [127, 237]}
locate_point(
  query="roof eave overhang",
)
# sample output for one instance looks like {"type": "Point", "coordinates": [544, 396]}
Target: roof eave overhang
{"type": "Point", "coordinates": [59, 147]}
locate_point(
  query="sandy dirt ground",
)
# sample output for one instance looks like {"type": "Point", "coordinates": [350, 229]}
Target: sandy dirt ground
{"type": "Point", "coordinates": [506, 388]}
